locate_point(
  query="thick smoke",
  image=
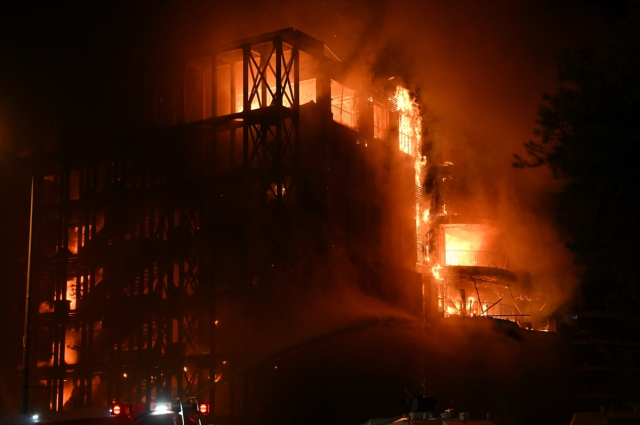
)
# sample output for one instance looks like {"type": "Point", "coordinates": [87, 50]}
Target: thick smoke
{"type": "Point", "coordinates": [479, 69]}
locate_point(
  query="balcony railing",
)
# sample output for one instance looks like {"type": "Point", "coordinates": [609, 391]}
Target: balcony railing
{"type": "Point", "coordinates": [476, 258]}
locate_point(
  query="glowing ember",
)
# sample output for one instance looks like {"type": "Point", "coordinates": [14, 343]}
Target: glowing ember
{"type": "Point", "coordinates": [425, 216]}
{"type": "Point", "coordinates": [71, 293]}
{"type": "Point", "coordinates": [45, 307]}
{"type": "Point", "coordinates": [435, 270]}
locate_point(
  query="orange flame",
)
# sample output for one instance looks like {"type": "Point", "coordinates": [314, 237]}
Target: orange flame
{"type": "Point", "coordinates": [409, 138]}
{"type": "Point", "coordinates": [435, 270]}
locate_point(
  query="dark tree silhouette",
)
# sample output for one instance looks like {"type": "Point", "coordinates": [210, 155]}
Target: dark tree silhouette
{"type": "Point", "coordinates": [589, 136]}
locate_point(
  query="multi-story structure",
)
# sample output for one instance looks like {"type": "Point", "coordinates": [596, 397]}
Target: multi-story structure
{"type": "Point", "coordinates": [266, 167]}
{"type": "Point", "coordinates": [470, 270]}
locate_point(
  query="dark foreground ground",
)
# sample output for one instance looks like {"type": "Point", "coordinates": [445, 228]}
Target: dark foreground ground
{"type": "Point", "coordinates": [476, 365]}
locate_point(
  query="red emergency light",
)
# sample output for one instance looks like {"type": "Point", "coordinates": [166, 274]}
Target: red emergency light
{"type": "Point", "coordinates": [204, 408]}
{"type": "Point", "coordinates": [119, 409]}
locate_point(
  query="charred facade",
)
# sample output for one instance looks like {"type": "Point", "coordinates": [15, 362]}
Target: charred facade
{"type": "Point", "coordinates": [256, 169]}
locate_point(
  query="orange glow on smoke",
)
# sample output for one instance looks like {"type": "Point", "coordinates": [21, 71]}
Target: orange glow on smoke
{"type": "Point", "coordinates": [469, 238]}
{"type": "Point", "coordinates": [72, 338]}
{"type": "Point", "coordinates": [71, 293]}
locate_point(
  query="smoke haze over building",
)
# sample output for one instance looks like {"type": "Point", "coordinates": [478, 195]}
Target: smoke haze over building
{"type": "Point", "coordinates": [78, 74]}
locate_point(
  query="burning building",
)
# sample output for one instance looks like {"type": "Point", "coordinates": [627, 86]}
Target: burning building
{"type": "Point", "coordinates": [467, 257]}
{"type": "Point", "coordinates": [258, 168]}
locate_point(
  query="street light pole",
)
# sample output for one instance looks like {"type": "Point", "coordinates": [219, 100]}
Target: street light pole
{"type": "Point", "coordinates": [24, 406]}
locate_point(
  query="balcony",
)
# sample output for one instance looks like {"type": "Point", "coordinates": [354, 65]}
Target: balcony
{"type": "Point", "coordinates": [476, 258]}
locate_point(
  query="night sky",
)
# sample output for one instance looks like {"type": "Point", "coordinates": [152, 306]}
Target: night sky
{"type": "Point", "coordinates": [74, 72]}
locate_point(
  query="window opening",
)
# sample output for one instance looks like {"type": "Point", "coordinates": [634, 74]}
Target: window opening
{"type": "Point", "coordinates": [380, 121]}
{"type": "Point", "coordinates": [342, 104]}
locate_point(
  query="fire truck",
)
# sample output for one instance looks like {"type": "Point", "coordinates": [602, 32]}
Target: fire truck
{"type": "Point", "coordinates": [173, 412]}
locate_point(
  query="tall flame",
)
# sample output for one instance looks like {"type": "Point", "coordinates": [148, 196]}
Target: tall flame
{"type": "Point", "coordinates": [410, 125]}
{"type": "Point", "coordinates": [409, 138]}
